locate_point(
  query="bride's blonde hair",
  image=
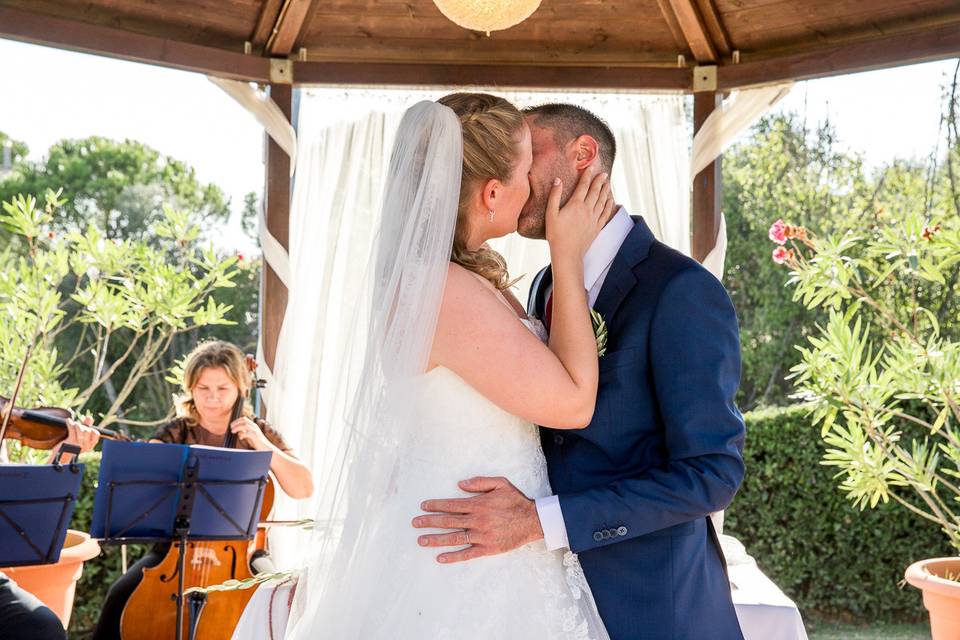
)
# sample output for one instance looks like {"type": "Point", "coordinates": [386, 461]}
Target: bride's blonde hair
{"type": "Point", "coordinates": [491, 149]}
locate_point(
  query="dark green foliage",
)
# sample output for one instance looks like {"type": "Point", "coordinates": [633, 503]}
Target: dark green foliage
{"type": "Point", "coordinates": [99, 573]}
{"type": "Point", "coordinates": [836, 562]}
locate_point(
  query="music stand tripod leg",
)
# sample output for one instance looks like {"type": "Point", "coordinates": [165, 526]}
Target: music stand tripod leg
{"type": "Point", "coordinates": [181, 527]}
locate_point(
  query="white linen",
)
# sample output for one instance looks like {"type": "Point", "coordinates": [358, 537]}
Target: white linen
{"type": "Point", "coordinates": [763, 610]}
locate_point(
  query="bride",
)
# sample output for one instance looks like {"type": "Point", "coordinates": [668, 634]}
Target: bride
{"type": "Point", "coordinates": [448, 380]}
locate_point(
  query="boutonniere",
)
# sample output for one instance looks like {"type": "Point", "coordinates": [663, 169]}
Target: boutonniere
{"type": "Point", "coordinates": [600, 331]}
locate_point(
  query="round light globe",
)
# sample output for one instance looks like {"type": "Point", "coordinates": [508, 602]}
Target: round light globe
{"type": "Point", "coordinates": [487, 15]}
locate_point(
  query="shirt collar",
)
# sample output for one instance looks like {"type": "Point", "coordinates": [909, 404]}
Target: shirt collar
{"type": "Point", "coordinates": [605, 247]}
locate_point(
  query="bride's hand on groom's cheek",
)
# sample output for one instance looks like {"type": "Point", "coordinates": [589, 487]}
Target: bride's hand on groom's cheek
{"type": "Point", "coordinates": [499, 519]}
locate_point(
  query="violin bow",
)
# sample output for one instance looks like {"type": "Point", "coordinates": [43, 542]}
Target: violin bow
{"type": "Point", "coordinates": [8, 410]}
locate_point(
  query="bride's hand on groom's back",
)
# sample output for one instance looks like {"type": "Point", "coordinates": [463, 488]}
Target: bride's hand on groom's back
{"type": "Point", "coordinates": [498, 519]}
{"type": "Point", "coordinates": [572, 228]}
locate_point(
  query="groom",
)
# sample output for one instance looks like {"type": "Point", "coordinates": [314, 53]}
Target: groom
{"type": "Point", "coordinates": [634, 490]}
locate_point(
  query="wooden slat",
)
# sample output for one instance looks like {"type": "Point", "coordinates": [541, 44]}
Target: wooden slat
{"type": "Point", "coordinates": [287, 29]}
{"type": "Point", "coordinates": [265, 21]}
{"type": "Point", "coordinates": [116, 43]}
{"type": "Point", "coordinates": [706, 202]}
{"type": "Point", "coordinates": [671, 19]}
{"type": "Point", "coordinates": [210, 23]}
{"type": "Point", "coordinates": [520, 76]}
{"type": "Point", "coordinates": [375, 50]}
{"type": "Point", "coordinates": [867, 55]}
{"type": "Point", "coordinates": [276, 201]}
{"type": "Point", "coordinates": [715, 29]}
{"type": "Point", "coordinates": [787, 23]}
{"type": "Point", "coordinates": [694, 30]}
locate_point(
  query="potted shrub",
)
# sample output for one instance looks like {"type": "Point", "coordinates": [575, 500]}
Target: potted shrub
{"type": "Point", "coordinates": [882, 374]}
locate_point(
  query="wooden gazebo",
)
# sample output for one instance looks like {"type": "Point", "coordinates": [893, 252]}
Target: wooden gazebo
{"type": "Point", "coordinates": [704, 47]}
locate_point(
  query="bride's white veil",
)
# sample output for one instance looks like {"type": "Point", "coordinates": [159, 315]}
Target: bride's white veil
{"type": "Point", "coordinates": [393, 329]}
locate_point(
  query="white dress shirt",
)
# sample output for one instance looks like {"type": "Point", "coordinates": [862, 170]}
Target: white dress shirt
{"type": "Point", "coordinates": [596, 266]}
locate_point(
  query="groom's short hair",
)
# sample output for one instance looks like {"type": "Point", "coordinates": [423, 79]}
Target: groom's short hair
{"type": "Point", "coordinates": [568, 121]}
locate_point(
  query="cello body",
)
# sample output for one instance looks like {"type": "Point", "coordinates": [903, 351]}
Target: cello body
{"type": "Point", "coordinates": [151, 611]}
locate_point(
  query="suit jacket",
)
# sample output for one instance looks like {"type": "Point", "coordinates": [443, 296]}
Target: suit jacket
{"type": "Point", "coordinates": [664, 449]}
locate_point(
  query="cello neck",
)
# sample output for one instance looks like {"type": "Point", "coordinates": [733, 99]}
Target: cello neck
{"type": "Point", "coordinates": [230, 439]}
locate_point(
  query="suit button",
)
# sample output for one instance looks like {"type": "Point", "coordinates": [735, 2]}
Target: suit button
{"type": "Point", "coordinates": [622, 531]}
{"type": "Point", "coordinates": [607, 534]}
{"type": "Point", "coordinates": [558, 439]}
{"type": "Point", "coordinates": [597, 536]}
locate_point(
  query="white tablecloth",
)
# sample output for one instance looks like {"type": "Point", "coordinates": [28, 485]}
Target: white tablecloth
{"type": "Point", "coordinates": [763, 610]}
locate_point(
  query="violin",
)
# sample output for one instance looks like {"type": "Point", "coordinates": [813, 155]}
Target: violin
{"type": "Point", "coordinates": [151, 610]}
{"type": "Point", "coordinates": [42, 427]}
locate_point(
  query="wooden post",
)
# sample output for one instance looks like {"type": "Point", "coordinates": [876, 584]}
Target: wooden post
{"type": "Point", "coordinates": [276, 202]}
{"type": "Point", "coordinates": [705, 211]}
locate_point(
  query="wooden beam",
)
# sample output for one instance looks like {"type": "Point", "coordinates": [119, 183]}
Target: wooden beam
{"type": "Point", "coordinates": [717, 32]}
{"type": "Point", "coordinates": [705, 206]}
{"type": "Point", "coordinates": [866, 55]}
{"type": "Point", "coordinates": [116, 43]}
{"type": "Point", "coordinates": [671, 19]}
{"type": "Point", "coordinates": [269, 13]}
{"type": "Point", "coordinates": [521, 76]}
{"type": "Point", "coordinates": [286, 30]}
{"type": "Point", "coordinates": [276, 202]}
{"type": "Point", "coordinates": [694, 30]}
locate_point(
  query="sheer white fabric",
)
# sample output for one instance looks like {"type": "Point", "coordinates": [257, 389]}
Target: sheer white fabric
{"type": "Point", "coordinates": [725, 125]}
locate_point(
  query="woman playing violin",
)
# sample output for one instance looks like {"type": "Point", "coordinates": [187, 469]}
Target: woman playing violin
{"type": "Point", "coordinates": [215, 376]}
{"type": "Point", "coordinates": [22, 616]}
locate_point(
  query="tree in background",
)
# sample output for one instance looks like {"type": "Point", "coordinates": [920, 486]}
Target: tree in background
{"type": "Point", "coordinates": [123, 191]}
{"type": "Point", "coordinates": [782, 170]}
{"type": "Point", "coordinates": [786, 171]}
{"type": "Point", "coordinates": [120, 187]}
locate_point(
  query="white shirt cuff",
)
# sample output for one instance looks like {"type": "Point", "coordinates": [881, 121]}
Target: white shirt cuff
{"type": "Point", "coordinates": [551, 521]}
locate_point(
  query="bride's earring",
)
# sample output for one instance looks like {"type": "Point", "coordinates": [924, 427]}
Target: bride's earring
{"type": "Point", "coordinates": [490, 211]}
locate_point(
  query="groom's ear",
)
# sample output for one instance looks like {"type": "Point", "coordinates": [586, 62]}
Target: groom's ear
{"type": "Point", "coordinates": [584, 151]}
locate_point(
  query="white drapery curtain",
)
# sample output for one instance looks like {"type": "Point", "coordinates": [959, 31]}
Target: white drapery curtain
{"type": "Point", "coordinates": [344, 140]}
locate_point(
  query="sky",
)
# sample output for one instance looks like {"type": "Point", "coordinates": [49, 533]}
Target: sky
{"type": "Point", "coordinates": [50, 94]}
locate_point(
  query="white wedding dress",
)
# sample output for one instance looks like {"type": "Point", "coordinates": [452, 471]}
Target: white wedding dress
{"type": "Point", "coordinates": [529, 593]}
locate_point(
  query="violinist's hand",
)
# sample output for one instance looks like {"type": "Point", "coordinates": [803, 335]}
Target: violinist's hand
{"type": "Point", "coordinates": [81, 434]}
{"type": "Point", "coordinates": [248, 432]}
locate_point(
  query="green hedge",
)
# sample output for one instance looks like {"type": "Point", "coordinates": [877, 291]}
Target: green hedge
{"type": "Point", "coordinates": [836, 562]}
{"type": "Point", "coordinates": [99, 573]}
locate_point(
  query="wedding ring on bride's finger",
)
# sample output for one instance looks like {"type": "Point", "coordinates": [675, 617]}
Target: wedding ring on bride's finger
{"type": "Point", "coordinates": [466, 537]}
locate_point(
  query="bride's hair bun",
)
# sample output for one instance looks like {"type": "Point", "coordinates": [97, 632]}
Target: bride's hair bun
{"type": "Point", "coordinates": [492, 128]}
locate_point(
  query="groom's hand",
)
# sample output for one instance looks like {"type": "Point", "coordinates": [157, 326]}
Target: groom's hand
{"type": "Point", "coordinates": [499, 519]}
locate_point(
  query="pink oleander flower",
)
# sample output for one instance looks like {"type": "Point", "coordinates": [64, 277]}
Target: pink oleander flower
{"type": "Point", "coordinates": [778, 232]}
{"type": "Point", "coordinates": [782, 254]}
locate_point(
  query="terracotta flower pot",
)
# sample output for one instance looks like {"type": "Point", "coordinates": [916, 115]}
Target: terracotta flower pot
{"type": "Point", "coordinates": [54, 584]}
{"type": "Point", "coordinates": [941, 595]}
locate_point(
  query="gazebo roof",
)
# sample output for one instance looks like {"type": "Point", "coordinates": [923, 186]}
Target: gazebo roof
{"type": "Point", "coordinates": [629, 44]}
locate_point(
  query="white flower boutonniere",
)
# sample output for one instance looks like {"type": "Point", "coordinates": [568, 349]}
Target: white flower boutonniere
{"type": "Point", "coordinates": [600, 331]}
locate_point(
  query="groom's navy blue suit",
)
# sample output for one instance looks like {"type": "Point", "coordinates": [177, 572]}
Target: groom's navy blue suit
{"type": "Point", "coordinates": [662, 452]}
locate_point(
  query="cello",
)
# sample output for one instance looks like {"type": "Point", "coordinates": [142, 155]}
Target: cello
{"type": "Point", "coordinates": [151, 611]}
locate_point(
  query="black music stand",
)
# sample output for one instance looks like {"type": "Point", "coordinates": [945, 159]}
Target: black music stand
{"type": "Point", "coordinates": [33, 525]}
{"type": "Point", "coordinates": [151, 493]}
